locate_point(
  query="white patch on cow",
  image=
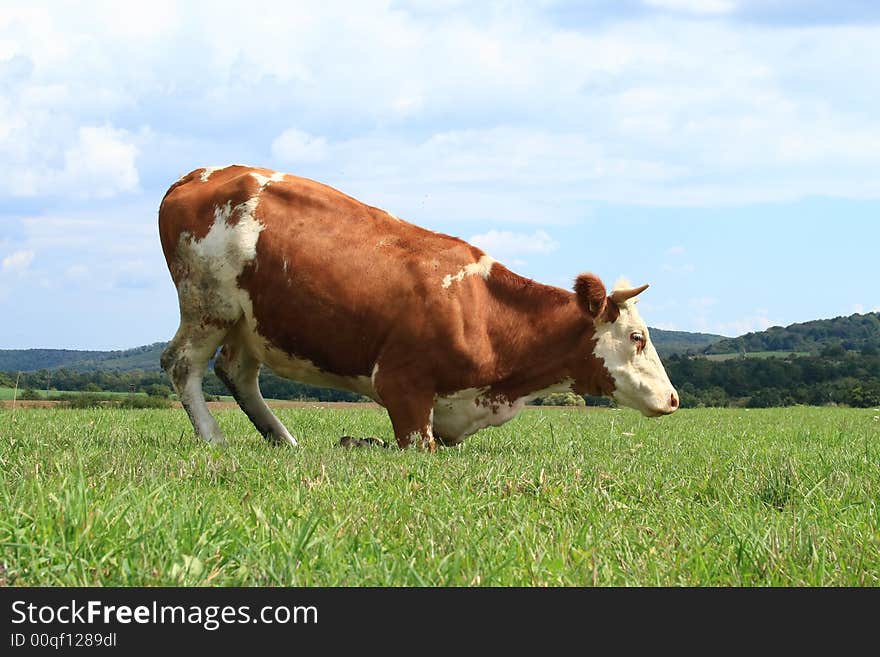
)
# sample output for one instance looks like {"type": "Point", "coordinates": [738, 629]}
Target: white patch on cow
{"type": "Point", "coordinates": [421, 439]}
{"type": "Point", "coordinates": [480, 268]}
{"type": "Point", "coordinates": [262, 180]}
{"type": "Point", "coordinates": [209, 289]}
{"type": "Point", "coordinates": [393, 216]}
{"type": "Point", "coordinates": [206, 173]}
{"type": "Point", "coordinates": [374, 373]}
{"type": "Point", "coordinates": [302, 369]}
{"type": "Point", "coordinates": [640, 380]}
{"type": "Point", "coordinates": [265, 180]}
{"type": "Point", "coordinates": [460, 414]}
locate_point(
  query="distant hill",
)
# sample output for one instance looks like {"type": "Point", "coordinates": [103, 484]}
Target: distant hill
{"type": "Point", "coordinates": [146, 358]}
{"type": "Point", "coordinates": [669, 343]}
{"type": "Point", "coordinates": [852, 333]}
{"type": "Point", "coordinates": [27, 360]}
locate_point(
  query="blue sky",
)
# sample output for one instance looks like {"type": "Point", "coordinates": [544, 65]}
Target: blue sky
{"type": "Point", "coordinates": [725, 151]}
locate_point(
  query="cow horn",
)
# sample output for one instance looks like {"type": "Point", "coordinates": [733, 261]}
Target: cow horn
{"type": "Point", "coordinates": [619, 296]}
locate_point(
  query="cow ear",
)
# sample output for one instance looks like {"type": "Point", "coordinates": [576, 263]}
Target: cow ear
{"type": "Point", "coordinates": [591, 295]}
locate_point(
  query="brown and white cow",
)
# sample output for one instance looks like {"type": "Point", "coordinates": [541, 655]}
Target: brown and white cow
{"type": "Point", "coordinates": [326, 290]}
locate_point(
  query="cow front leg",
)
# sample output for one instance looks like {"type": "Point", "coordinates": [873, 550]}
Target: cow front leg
{"type": "Point", "coordinates": [411, 409]}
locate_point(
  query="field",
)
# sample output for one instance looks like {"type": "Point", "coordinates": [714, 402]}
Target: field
{"type": "Point", "coordinates": [705, 497]}
{"type": "Point", "coordinates": [6, 394]}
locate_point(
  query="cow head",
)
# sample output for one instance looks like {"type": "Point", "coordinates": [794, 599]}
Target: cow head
{"type": "Point", "coordinates": [623, 345]}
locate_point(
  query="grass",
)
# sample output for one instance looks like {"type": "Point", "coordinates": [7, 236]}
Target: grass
{"type": "Point", "coordinates": [6, 393]}
{"type": "Point", "coordinates": [707, 497]}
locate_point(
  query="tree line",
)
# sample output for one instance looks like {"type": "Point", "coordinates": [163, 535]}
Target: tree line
{"type": "Point", "coordinates": [36, 385]}
{"type": "Point", "coordinates": [834, 376]}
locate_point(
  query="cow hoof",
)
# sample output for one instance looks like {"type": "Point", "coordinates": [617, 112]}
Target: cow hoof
{"type": "Point", "coordinates": [350, 442]}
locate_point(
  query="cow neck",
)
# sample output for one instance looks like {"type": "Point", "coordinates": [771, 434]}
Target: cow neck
{"type": "Point", "coordinates": [538, 331]}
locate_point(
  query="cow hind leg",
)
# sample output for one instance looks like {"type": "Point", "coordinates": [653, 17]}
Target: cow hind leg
{"type": "Point", "coordinates": [185, 360]}
{"type": "Point", "coordinates": [240, 372]}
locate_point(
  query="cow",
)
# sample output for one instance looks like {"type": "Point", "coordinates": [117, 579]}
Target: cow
{"type": "Point", "coordinates": [276, 269]}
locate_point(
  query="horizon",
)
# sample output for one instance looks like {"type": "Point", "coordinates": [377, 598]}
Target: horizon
{"type": "Point", "coordinates": [724, 151]}
{"type": "Point", "coordinates": [158, 342]}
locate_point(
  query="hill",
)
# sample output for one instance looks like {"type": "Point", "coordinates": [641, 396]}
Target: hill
{"type": "Point", "coordinates": [28, 360]}
{"type": "Point", "coordinates": [853, 333]}
{"type": "Point", "coordinates": [146, 358]}
{"type": "Point", "coordinates": [669, 343]}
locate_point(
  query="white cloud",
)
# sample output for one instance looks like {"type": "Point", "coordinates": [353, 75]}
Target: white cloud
{"type": "Point", "coordinates": [703, 302]}
{"type": "Point", "coordinates": [694, 6]}
{"type": "Point", "coordinates": [294, 145]}
{"type": "Point", "coordinates": [666, 111]}
{"type": "Point", "coordinates": [749, 324]}
{"type": "Point", "coordinates": [506, 244]}
{"type": "Point", "coordinates": [100, 164]}
{"type": "Point", "coordinates": [686, 268]}
{"type": "Point", "coordinates": [18, 262]}
{"type": "Point", "coordinates": [674, 251]}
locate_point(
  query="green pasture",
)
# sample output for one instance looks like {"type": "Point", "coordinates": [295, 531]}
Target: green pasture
{"type": "Point", "coordinates": [706, 497]}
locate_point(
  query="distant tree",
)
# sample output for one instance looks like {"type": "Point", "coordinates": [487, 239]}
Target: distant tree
{"type": "Point", "coordinates": [158, 390]}
{"type": "Point", "coordinates": [765, 398]}
{"type": "Point", "coordinates": [833, 351]}
{"type": "Point", "coordinates": [30, 394]}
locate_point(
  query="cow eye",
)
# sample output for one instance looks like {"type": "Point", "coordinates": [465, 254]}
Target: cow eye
{"type": "Point", "coordinates": [639, 339]}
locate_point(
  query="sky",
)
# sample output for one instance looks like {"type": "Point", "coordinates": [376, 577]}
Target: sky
{"type": "Point", "coordinates": [725, 151]}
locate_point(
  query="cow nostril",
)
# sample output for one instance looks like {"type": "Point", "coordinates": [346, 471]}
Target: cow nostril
{"type": "Point", "coordinates": [673, 400]}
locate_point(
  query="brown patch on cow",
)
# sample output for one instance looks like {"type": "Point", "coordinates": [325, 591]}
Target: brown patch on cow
{"type": "Point", "coordinates": [348, 296]}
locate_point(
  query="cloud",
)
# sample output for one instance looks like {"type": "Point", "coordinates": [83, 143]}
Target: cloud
{"type": "Point", "coordinates": [702, 302]}
{"type": "Point", "coordinates": [674, 251]}
{"type": "Point", "coordinates": [18, 262]}
{"type": "Point", "coordinates": [294, 145]}
{"type": "Point", "coordinates": [749, 324]}
{"type": "Point", "coordinates": [643, 106]}
{"type": "Point", "coordinates": [686, 268]}
{"type": "Point", "coordinates": [713, 7]}
{"type": "Point", "coordinates": [100, 164]}
{"type": "Point", "coordinates": [507, 244]}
